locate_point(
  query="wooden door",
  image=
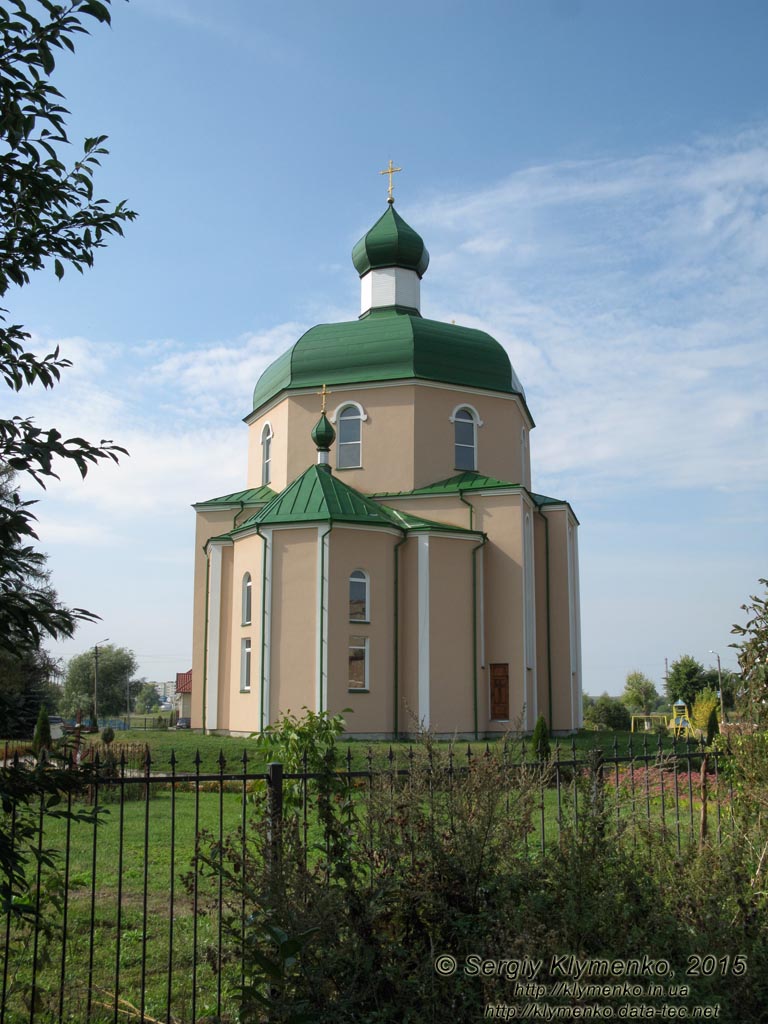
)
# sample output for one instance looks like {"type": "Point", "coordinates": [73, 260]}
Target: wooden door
{"type": "Point", "coordinates": [500, 692]}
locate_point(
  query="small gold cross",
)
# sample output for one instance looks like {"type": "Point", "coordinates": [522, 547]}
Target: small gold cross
{"type": "Point", "coordinates": [390, 171]}
{"type": "Point", "coordinates": [325, 392]}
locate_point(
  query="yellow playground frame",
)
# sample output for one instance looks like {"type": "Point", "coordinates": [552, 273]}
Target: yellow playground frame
{"type": "Point", "coordinates": [679, 723]}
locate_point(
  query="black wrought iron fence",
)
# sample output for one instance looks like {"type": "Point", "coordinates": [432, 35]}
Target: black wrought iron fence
{"type": "Point", "coordinates": [130, 900]}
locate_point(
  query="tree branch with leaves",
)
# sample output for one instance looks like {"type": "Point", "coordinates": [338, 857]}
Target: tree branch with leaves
{"type": "Point", "coordinates": [49, 218]}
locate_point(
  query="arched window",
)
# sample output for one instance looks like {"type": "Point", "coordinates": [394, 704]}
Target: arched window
{"type": "Point", "coordinates": [266, 453]}
{"type": "Point", "coordinates": [465, 439]}
{"type": "Point", "coordinates": [245, 665]}
{"type": "Point", "coordinates": [349, 444]}
{"type": "Point", "coordinates": [359, 609]}
{"type": "Point", "coordinates": [247, 589]}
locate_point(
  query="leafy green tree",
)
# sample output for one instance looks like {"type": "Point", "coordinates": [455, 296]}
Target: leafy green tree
{"type": "Point", "coordinates": [147, 699]}
{"type": "Point", "coordinates": [25, 684]}
{"type": "Point", "coordinates": [116, 668]}
{"type": "Point", "coordinates": [640, 693]}
{"type": "Point", "coordinates": [706, 701]}
{"type": "Point", "coordinates": [42, 738]}
{"type": "Point", "coordinates": [687, 678]}
{"type": "Point", "coordinates": [49, 218]}
{"type": "Point", "coordinates": [753, 656]}
{"type": "Point", "coordinates": [608, 713]}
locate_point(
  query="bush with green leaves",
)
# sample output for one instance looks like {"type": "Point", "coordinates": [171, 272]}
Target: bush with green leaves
{"type": "Point", "coordinates": [540, 739]}
{"type": "Point", "coordinates": [42, 738]}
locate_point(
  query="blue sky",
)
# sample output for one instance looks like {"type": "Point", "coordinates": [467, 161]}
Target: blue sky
{"type": "Point", "coordinates": [591, 180]}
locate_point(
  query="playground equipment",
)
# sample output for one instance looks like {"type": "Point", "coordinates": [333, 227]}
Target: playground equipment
{"type": "Point", "coordinates": [679, 724]}
{"type": "Point", "coordinates": [681, 721]}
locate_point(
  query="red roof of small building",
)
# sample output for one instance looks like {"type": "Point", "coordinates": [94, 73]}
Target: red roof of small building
{"type": "Point", "coordinates": [184, 682]}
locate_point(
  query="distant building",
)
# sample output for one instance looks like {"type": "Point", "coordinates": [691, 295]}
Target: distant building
{"type": "Point", "coordinates": [391, 556]}
{"type": "Point", "coordinates": [183, 694]}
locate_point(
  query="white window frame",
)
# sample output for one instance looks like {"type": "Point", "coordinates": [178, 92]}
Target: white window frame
{"type": "Point", "coordinates": [245, 665]}
{"type": "Point", "coordinates": [366, 580]}
{"type": "Point", "coordinates": [247, 599]}
{"type": "Point", "coordinates": [267, 433]}
{"type": "Point", "coordinates": [474, 419]}
{"type": "Point", "coordinates": [366, 647]}
{"type": "Point", "coordinates": [361, 417]}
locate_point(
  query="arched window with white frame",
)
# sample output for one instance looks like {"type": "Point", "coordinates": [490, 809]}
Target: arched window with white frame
{"type": "Point", "coordinates": [247, 591]}
{"type": "Point", "coordinates": [349, 444]}
{"type": "Point", "coordinates": [359, 596]}
{"type": "Point", "coordinates": [266, 453]}
{"type": "Point", "coordinates": [465, 423]}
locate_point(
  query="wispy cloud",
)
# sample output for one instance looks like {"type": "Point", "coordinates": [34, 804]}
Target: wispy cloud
{"type": "Point", "coordinates": [631, 297]}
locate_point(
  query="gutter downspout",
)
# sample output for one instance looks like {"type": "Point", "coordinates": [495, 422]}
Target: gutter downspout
{"type": "Point", "coordinates": [549, 632]}
{"type": "Point", "coordinates": [205, 632]}
{"type": "Point", "coordinates": [470, 507]}
{"type": "Point", "coordinates": [482, 543]}
{"type": "Point", "coordinates": [320, 611]}
{"type": "Point", "coordinates": [396, 633]}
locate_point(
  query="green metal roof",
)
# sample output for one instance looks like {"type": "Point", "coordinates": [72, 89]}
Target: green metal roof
{"type": "Point", "coordinates": [469, 481]}
{"type": "Point", "coordinates": [388, 344]}
{"type": "Point", "coordinates": [252, 496]}
{"type": "Point", "coordinates": [390, 243]}
{"type": "Point", "coordinates": [319, 496]}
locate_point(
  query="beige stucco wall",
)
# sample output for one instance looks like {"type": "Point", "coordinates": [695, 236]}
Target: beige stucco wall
{"type": "Point", "coordinates": [248, 554]}
{"type": "Point", "coordinates": [501, 518]}
{"type": "Point", "coordinates": [498, 439]}
{"type": "Point", "coordinates": [207, 525]}
{"type": "Point", "coordinates": [397, 414]}
{"type": "Point", "coordinates": [371, 551]}
{"type": "Point", "coordinates": [293, 633]}
{"type": "Point", "coordinates": [562, 717]}
{"type": "Point", "coordinates": [542, 656]}
{"type": "Point", "coordinates": [450, 616]}
{"type": "Point", "coordinates": [277, 417]}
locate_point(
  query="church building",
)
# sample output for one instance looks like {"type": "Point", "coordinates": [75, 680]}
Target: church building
{"type": "Point", "coordinates": [388, 554]}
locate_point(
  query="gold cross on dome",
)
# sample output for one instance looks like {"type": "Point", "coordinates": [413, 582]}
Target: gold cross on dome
{"type": "Point", "coordinates": [390, 171]}
{"type": "Point", "coordinates": [325, 392]}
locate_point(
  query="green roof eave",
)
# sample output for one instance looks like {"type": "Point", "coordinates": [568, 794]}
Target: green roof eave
{"type": "Point", "coordinates": [468, 481]}
{"type": "Point", "coordinates": [542, 501]}
{"type": "Point", "coordinates": [391, 345]}
{"type": "Point", "coordinates": [250, 496]}
{"type": "Point", "coordinates": [318, 496]}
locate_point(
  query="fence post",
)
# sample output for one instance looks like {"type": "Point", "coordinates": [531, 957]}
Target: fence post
{"type": "Point", "coordinates": [274, 818]}
{"type": "Point", "coordinates": [596, 789]}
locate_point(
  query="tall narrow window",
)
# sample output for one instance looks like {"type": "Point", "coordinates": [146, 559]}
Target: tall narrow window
{"type": "Point", "coordinates": [349, 445]}
{"type": "Point", "coordinates": [247, 590]}
{"type": "Point", "coordinates": [465, 440]}
{"type": "Point", "coordinates": [245, 665]}
{"type": "Point", "coordinates": [358, 663]}
{"type": "Point", "coordinates": [358, 596]}
{"type": "Point", "coordinates": [266, 454]}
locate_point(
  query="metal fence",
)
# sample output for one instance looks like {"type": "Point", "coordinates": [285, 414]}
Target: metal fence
{"type": "Point", "coordinates": [129, 914]}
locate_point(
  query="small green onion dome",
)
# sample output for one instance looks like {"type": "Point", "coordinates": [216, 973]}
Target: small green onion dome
{"type": "Point", "coordinates": [323, 434]}
{"type": "Point", "coordinates": [390, 243]}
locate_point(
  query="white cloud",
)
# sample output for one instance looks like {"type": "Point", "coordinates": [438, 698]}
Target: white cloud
{"type": "Point", "coordinates": [630, 296]}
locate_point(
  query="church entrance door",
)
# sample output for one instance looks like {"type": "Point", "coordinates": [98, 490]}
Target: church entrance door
{"type": "Point", "coordinates": [500, 692]}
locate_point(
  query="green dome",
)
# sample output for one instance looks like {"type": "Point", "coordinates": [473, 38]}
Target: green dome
{"type": "Point", "coordinates": [390, 345]}
{"type": "Point", "coordinates": [390, 243]}
{"type": "Point", "coordinates": [323, 434]}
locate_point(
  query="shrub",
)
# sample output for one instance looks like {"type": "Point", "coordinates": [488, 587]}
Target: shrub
{"type": "Point", "coordinates": [107, 735]}
{"type": "Point", "coordinates": [540, 739]}
{"type": "Point", "coordinates": [42, 739]}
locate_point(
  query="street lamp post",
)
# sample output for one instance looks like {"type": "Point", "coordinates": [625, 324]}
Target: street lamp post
{"type": "Point", "coordinates": [96, 680]}
{"type": "Point", "coordinates": [720, 685]}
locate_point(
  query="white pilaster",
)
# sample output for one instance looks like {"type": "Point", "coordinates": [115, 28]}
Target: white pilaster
{"type": "Point", "coordinates": [574, 617]}
{"type": "Point", "coordinates": [214, 637]}
{"type": "Point", "coordinates": [529, 624]}
{"type": "Point", "coordinates": [266, 646]}
{"type": "Point", "coordinates": [423, 617]}
{"type": "Point", "coordinates": [321, 629]}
